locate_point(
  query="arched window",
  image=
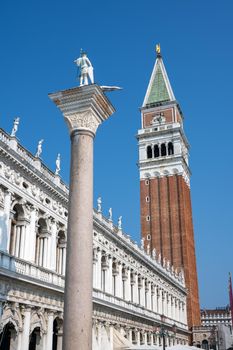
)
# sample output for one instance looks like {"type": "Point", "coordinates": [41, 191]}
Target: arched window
{"type": "Point", "coordinates": [170, 148]}
{"type": "Point", "coordinates": [205, 344]}
{"type": "Point", "coordinates": [35, 339]}
{"type": "Point", "coordinates": [146, 293]}
{"type": "Point", "coordinates": [57, 333]}
{"type": "Point", "coordinates": [132, 282]}
{"type": "Point", "coordinates": [114, 277]}
{"type": "Point", "coordinates": [8, 337]}
{"type": "Point", "coordinates": [134, 338]}
{"type": "Point", "coordinates": [124, 278]}
{"type": "Point", "coordinates": [61, 253]}
{"type": "Point", "coordinates": [163, 150]}
{"type": "Point", "coordinates": [152, 296]}
{"type": "Point", "coordinates": [104, 267]}
{"type": "Point", "coordinates": [149, 152]}
{"type": "Point", "coordinates": [139, 289]}
{"type": "Point", "coordinates": [17, 235]}
{"type": "Point", "coordinates": [156, 151]}
{"type": "Point", "coordinates": [41, 243]}
{"type": "Point", "coordinates": [142, 341]}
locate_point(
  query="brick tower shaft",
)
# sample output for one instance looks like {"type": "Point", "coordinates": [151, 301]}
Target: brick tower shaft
{"type": "Point", "coordinates": [166, 211]}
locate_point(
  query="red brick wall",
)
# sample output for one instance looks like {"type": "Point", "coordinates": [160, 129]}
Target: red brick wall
{"type": "Point", "coordinates": [171, 230]}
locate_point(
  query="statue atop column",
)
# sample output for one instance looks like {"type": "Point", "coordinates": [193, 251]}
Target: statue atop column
{"type": "Point", "coordinates": [39, 148]}
{"type": "Point", "coordinates": [58, 164]}
{"type": "Point", "coordinates": [86, 69]}
{"type": "Point", "coordinates": [15, 127]}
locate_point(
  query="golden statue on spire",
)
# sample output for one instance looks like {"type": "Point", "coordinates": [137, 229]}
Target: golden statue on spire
{"type": "Point", "coordinates": [158, 49]}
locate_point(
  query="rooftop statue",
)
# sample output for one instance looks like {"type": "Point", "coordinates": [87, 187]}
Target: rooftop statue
{"type": "Point", "coordinates": [85, 68]}
{"type": "Point", "coordinates": [39, 149]}
{"type": "Point", "coordinates": [58, 164]}
{"type": "Point", "coordinates": [120, 223]}
{"type": "Point", "coordinates": [99, 204]}
{"type": "Point", "coordinates": [110, 214]}
{"type": "Point", "coordinates": [15, 127]}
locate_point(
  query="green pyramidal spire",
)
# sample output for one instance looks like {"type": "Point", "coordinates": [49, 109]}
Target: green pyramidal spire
{"type": "Point", "coordinates": [159, 88]}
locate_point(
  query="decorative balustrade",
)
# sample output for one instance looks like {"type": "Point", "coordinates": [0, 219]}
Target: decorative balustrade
{"type": "Point", "coordinates": [4, 137]}
{"type": "Point", "coordinates": [22, 267]}
{"type": "Point", "coordinates": [24, 154]}
{"type": "Point", "coordinates": [103, 297]}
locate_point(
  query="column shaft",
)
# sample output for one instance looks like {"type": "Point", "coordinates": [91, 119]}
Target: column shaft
{"type": "Point", "coordinates": [78, 287]}
{"type": "Point", "coordinates": [50, 332]}
{"type": "Point", "coordinates": [26, 329]}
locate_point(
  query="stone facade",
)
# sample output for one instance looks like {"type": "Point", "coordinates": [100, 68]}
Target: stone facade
{"type": "Point", "coordinates": [133, 290]}
{"type": "Point", "coordinates": [215, 329]}
{"type": "Point", "coordinates": [166, 213]}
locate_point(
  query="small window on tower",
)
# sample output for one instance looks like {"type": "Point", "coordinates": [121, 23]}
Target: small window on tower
{"type": "Point", "coordinates": [163, 150]}
{"type": "Point", "coordinates": [170, 148]}
{"type": "Point", "coordinates": [156, 151]}
{"type": "Point", "coordinates": [147, 198]}
{"type": "Point", "coordinates": [148, 237]}
{"type": "Point", "coordinates": [148, 218]}
{"type": "Point", "coordinates": [149, 152]}
{"type": "Point", "coordinates": [146, 182]}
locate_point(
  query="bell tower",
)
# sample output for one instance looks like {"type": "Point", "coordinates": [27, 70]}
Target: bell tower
{"type": "Point", "coordinates": [166, 212]}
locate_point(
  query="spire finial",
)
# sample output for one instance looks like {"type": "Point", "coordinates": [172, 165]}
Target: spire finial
{"type": "Point", "coordinates": [158, 50]}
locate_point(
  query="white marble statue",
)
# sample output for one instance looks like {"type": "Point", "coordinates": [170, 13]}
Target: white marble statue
{"type": "Point", "coordinates": [120, 223]}
{"type": "Point", "coordinates": [15, 127]}
{"type": "Point", "coordinates": [99, 205]}
{"type": "Point", "coordinates": [58, 164]}
{"type": "Point", "coordinates": [110, 214]}
{"type": "Point", "coordinates": [39, 148]}
{"type": "Point", "coordinates": [154, 254]}
{"type": "Point", "coordinates": [86, 69]}
{"type": "Point", "coordinates": [148, 249]}
{"type": "Point", "coordinates": [159, 258]}
{"type": "Point", "coordinates": [142, 243]}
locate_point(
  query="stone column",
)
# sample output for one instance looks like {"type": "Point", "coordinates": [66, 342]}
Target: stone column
{"type": "Point", "coordinates": [98, 269]}
{"type": "Point", "coordinates": [49, 341]}
{"type": "Point", "coordinates": [128, 286]}
{"type": "Point", "coordinates": [119, 282]}
{"type": "Point", "coordinates": [109, 275]}
{"type": "Point", "coordinates": [59, 339]}
{"type": "Point", "coordinates": [6, 222]}
{"type": "Point", "coordinates": [84, 109]}
{"type": "Point", "coordinates": [26, 328]}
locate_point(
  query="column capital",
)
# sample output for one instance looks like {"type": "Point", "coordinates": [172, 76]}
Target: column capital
{"type": "Point", "coordinates": [84, 108]}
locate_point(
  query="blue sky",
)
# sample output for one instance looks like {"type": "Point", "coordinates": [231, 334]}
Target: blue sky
{"type": "Point", "coordinates": [41, 39]}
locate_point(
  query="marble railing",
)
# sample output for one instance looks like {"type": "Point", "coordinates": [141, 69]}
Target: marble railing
{"type": "Point", "coordinates": [136, 309]}
{"type": "Point", "coordinates": [14, 265]}
{"type": "Point", "coordinates": [158, 127]}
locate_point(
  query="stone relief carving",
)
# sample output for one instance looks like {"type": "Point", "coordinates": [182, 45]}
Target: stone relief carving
{"type": "Point", "coordinates": [85, 120]}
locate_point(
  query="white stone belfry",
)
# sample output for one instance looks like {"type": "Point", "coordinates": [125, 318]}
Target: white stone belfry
{"type": "Point", "coordinates": [84, 109]}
